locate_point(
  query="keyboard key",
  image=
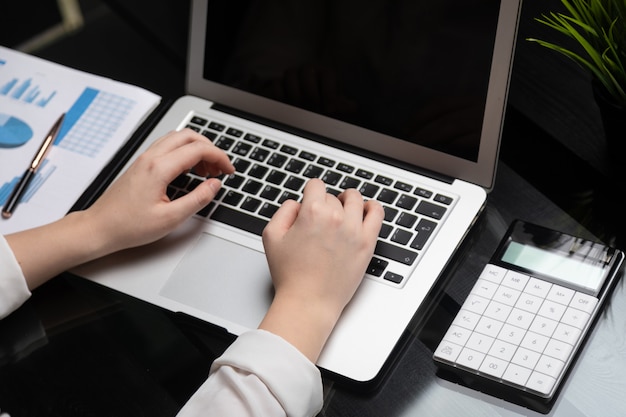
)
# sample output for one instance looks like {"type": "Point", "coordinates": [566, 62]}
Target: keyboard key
{"type": "Point", "coordinates": [277, 160]}
{"type": "Point", "coordinates": [369, 190]}
{"type": "Point", "coordinates": [270, 193]}
{"type": "Point", "coordinates": [234, 181]}
{"type": "Point", "coordinates": [406, 202]}
{"type": "Point", "coordinates": [199, 121]}
{"type": "Point", "coordinates": [364, 174]}
{"type": "Point", "coordinates": [232, 197]}
{"type": "Point", "coordinates": [258, 171]}
{"type": "Point", "coordinates": [349, 182]}
{"type": "Point", "coordinates": [259, 154]}
{"type": "Point", "coordinates": [425, 229]}
{"type": "Point", "coordinates": [239, 219]}
{"type": "Point", "coordinates": [313, 171]}
{"type": "Point", "coordinates": [395, 253]}
{"type": "Point", "coordinates": [387, 196]}
{"type": "Point", "coordinates": [325, 161]}
{"type": "Point", "coordinates": [276, 177]}
{"type": "Point", "coordinates": [294, 165]}
{"type": "Point", "coordinates": [241, 148]}
{"type": "Point", "coordinates": [250, 204]}
{"type": "Point", "coordinates": [345, 168]}
{"type": "Point", "coordinates": [406, 220]}
{"type": "Point", "coordinates": [331, 177]}
{"type": "Point", "coordinates": [401, 236]}
{"type": "Point", "coordinates": [288, 149]}
{"type": "Point", "coordinates": [288, 196]}
{"type": "Point", "coordinates": [307, 155]}
{"type": "Point", "coordinates": [443, 199]}
{"type": "Point", "coordinates": [216, 126]}
{"type": "Point", "coordinates": [234, 132]}
{"type": "Point", "coordinates": [268, 210]}
{"type": "Point", "coordinates": [294, 183]}
{"type": "Point", "coordinates": [252, 187]}
{"type": "Point", "coordinates": [376, 267]}
{"type": "Point", "coordinates": [393, 277]}
{"type": "Point", "coordinates": [252, 138]}
{"type": "Point", "coordinates": [422, 192]}
{"type": "Point", "coordinates": [268, 143]}
{"type": "Point", "coordinates": [431, 210]}
{"type": "Point", "coordinates": [224, 143]}
{"type": "Point", "coordinates": [383, 180]}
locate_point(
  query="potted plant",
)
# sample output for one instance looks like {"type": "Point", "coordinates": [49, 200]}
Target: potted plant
{"type": "Point", "coordinates": [598, 29]}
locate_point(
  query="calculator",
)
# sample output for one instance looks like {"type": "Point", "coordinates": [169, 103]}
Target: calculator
{"type": "Point", "coordinates": [519, 330]}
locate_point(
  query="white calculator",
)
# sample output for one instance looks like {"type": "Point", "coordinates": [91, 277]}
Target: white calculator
{"type": "Point", "coordinates": [519, 330]}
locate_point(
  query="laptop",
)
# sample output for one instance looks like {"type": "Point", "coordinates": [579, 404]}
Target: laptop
{"type": "Point", "coordinates": [404, 101]}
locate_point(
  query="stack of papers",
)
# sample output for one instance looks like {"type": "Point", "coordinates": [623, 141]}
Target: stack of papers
{"type": "Point", "coordinates": [101, 115]}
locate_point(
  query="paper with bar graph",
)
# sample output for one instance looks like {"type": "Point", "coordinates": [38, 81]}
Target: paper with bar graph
{"type": "Point", "coordinates": [101, 115]}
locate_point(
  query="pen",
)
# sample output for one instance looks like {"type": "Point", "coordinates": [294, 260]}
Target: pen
{"type": "Point", "coordinates": [41, 154]}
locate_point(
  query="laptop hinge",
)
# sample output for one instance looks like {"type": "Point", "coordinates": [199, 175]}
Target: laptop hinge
{"type": "Point", "coordinates": [331, 142]}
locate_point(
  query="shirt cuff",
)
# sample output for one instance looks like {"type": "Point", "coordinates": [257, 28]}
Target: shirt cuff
{"type": "Point", "coordinates": [291, 377]}
{"type": "Point", "coordinates": [13, 288]}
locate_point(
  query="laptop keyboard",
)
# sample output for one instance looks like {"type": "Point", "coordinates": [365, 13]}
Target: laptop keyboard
{"type": "Point", "coordinates": [269, 172]}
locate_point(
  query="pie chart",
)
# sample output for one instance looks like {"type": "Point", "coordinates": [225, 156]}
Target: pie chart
{"type": "Point", "coordinates": [13, 131]}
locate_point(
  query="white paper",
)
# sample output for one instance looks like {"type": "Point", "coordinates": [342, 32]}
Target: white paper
{"type": "Point", "coordinates": [101, 115]}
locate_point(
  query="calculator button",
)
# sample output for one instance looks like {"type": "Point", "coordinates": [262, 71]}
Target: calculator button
{"type": "Point", "coordinates": [511, 334]}
{"type": "Point", "coordinates": [497, 311]}
{"type": "Point", "coordinates": [540, 382]}
{"type": "Point", "coordinates": [470, 358]}
{"type": "Point", "coordinates": [584, 302]}
{"type": "Point", "coordinates": [552, 310]}
{"type": "Point", "coordinates": [575, 317]}
{"type": "Point", "coordinates": [560, 294]}
{"type": "Point", "coordinates": [516, 374]}
{"type": "Point", "coordinates": [526, 358]}
{"type": "Point", "coordinates": [566, 333]}
{"type": "Point", "coordinates": [457, 334]}
{"type": "Point", "coordinates": [558, 349]}
{"type": "Point", "coordinates": [520, 318]}
{"type": "Point", "coordinates": [479, 342]}
{"type": "Point", "coordinates": [489, 326]}
{"type": "Point", "coordinates": [515, 280]}
{"type": "Point", "coordinates": [538, 287]}
{"type": "Point", "coordinates": [543, 326]}
{"type": "Point", "coordinates": [493, 366]}
{"type": "Point", "coordinates": [549, 366]}
{"type": "Point", "coordinates": [534, 341]}
{"type": "Point", "coordinates": [506, 295]}
{"type": "Point", "coordinates": [466, 319]}
{"type": "Point", "coordinates": [484, 288]}
{"type": "Point", "coordinates": [493, 273]}
{"type": "Point", "coordinates": [475, 304]}
{"type": "Point", "coordinates": [528, 302]}
{"type": "Point", "coordinates": [502, 350]}
{"type": "Point", "coordinates": [448, 351]}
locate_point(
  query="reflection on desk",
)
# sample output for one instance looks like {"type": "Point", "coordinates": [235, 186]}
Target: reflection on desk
{"type": "Point", "coordinates": [77, 349]}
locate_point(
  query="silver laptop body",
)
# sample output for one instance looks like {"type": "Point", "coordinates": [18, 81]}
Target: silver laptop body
{"type": "Point", "coordinates": [402, 100]}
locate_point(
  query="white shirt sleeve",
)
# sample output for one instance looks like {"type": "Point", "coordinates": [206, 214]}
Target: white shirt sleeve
{"type": "Point", "coordinates": [260, 374]}
{"type": "Point", "coordinates": [13, 288]}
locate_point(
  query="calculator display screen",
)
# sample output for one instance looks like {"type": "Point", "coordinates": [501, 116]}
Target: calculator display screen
{"type": "Point", "coordinates": [585, 271]}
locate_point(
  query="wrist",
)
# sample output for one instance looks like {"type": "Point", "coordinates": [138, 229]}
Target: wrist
{"type": "Point", "coordinates": [304, 322]}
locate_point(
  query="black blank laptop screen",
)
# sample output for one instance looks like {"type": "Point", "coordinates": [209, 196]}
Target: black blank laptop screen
{"type": "Point", "coordinates": [414, 69]}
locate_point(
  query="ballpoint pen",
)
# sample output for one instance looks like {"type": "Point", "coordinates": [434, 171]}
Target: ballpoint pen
{"type": "Point", "coordinates": [40, 156]}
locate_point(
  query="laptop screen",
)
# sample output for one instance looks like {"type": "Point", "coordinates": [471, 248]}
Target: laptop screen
{"type": "Point", "coordinates": [416, 70]}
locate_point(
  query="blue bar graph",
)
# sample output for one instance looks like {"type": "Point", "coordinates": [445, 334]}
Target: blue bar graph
{"type": "Point", "coordinates": [26, 91]}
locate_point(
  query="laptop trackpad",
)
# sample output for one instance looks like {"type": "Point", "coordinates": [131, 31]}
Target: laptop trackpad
{"type": "Point", "coordinates": [224, 279]}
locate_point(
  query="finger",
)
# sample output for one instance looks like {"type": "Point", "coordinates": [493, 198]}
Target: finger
{"type": "Point", "coordinates": [176, 139]}
{"type": "Point", "coordinates": [373, 215]}
{"type": "Point", "coordinates": [314, 190]}
{"type": "Point", "coordinates": [191, 154]}
{"type": "Point", "coordinates": [197, 199]}
{"type": "Point", "coordinates": [282, 220]}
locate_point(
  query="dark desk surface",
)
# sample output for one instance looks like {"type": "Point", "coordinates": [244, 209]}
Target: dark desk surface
{"type": "Point", "coordinates": [76, 349]}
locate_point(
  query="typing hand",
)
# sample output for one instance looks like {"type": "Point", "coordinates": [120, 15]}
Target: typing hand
{"type": "Point", "coordinates": [318, 252]}
{"type": "Point", "coordinates": [135, 210]}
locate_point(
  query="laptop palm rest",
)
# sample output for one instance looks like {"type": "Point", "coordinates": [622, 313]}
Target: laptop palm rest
{"type": "Point", "coordinates": [223, 279]}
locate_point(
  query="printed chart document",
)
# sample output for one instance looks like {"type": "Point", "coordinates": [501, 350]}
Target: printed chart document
{"type": "Point", "coordinates": [101, 115]}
